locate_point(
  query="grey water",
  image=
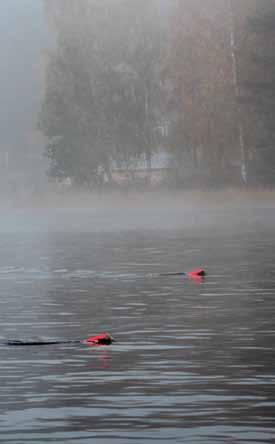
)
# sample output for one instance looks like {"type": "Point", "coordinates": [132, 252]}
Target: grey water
{"type": "Point", "coordinates": [194, 361]}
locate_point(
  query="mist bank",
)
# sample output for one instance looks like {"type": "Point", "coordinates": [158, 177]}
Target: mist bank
{"type": "Point", "coordinates": [162, 199]}
{"type": "Point", "coordinates": [217, 214]}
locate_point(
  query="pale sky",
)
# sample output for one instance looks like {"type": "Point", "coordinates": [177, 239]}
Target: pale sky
{"type": "Point", "coordinates": [23, 39]}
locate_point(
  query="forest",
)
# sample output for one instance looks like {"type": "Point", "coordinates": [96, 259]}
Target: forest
{"type": "Point", "coordinates": [129, 81]}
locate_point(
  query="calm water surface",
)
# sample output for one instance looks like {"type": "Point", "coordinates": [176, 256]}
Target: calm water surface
{"type": "Point", "coordinates": [193, 362]}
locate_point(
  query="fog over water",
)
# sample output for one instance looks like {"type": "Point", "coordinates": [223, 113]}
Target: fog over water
{"type": "Point", "coordinates": [197, 210]}
{"type": "Point", "coordinates": [193, 360]}
{"type": "Point", "coordinates": [146, 175]}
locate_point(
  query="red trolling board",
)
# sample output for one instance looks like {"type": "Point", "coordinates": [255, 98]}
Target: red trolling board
{"type": "Point", "coordinates": [101, 339]}
{"type": "Point", "coordinates": [197, 275]}
{"type": "Point", "coordinates": [198, 272]}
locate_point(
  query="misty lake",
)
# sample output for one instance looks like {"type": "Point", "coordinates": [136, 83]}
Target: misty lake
{"type": "Point", "coordinates": [192, 362]}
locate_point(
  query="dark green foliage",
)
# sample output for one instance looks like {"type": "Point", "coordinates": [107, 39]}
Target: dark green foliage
{"type": "Point", "coordinates": [102, 86]}
{"type": "Point", "coordinates": [115, 76]}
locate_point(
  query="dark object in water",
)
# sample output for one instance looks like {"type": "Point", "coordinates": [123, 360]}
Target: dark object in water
{"type": "Point", "coordinates": [101, 339]}
{"type": "Point", "coordinates": [180, 273]}
{"type": "Point", "coordinates": [38, 342]}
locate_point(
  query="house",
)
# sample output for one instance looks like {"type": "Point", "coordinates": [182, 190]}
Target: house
{"type": "Point", "coordinates": [143, 169]}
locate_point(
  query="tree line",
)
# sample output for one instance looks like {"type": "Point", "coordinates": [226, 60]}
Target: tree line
{"type": "Point", "coordinates": [196, 77]}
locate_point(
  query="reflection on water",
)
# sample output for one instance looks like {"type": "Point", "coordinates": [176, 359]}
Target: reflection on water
{"type": "Point", "coordinates": [192, 363]}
